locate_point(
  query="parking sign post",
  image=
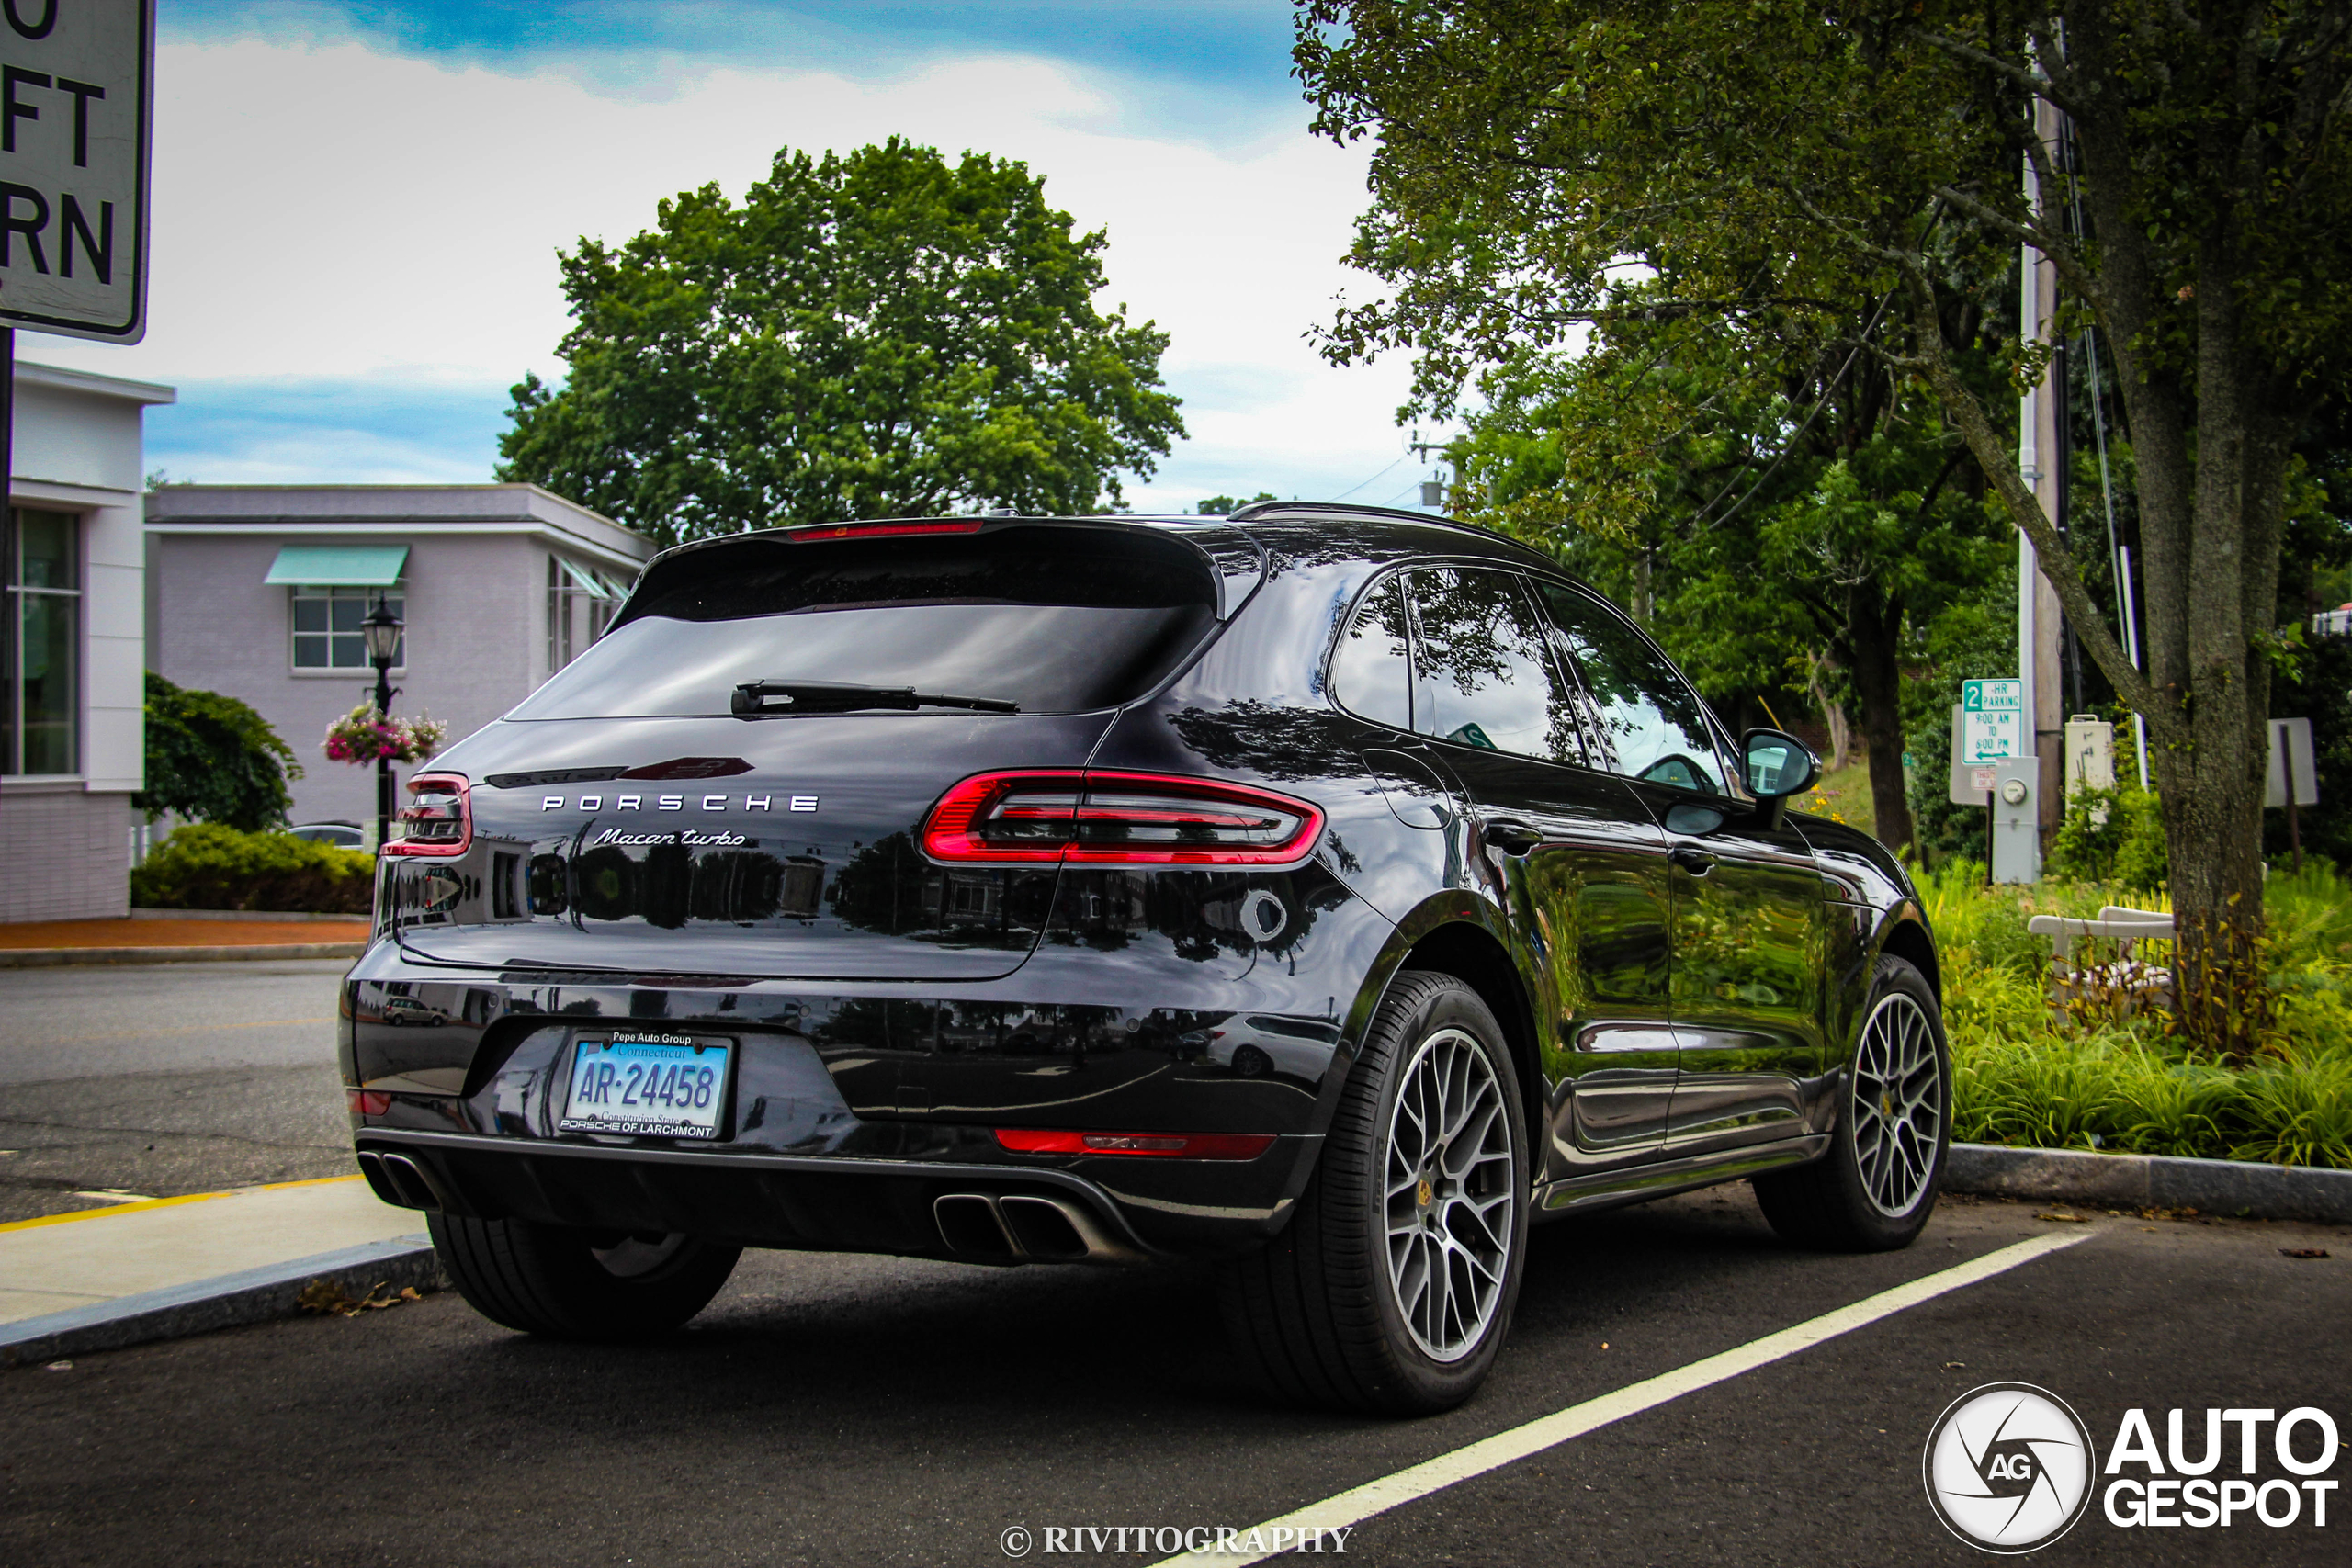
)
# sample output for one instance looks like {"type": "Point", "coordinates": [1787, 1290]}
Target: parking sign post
{"type": "Point", "coordinates": [1988, 730]}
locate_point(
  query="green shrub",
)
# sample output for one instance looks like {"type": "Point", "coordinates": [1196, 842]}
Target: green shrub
{"type": "Point", "coordinates": [207, 866]}
{"type": "Point", "coordinates": [213, 759]}
{"type": "Point", "coordinates": [2112, 835]}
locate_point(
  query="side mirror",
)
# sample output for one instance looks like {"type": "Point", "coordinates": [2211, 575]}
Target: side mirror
{"type": "Point", "coordinates": [1775, 766]}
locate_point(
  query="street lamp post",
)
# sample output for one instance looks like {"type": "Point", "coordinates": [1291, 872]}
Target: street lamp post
{"type": "Point", "coordinates": [382, 630]}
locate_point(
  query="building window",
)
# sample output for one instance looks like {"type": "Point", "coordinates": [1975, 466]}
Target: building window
{"type": "Point", "coordinates": [580, 607]}
{"type": "Point", "coordinates": [42, 642]}
{"type": "Point", "coordinates": [326, 627]}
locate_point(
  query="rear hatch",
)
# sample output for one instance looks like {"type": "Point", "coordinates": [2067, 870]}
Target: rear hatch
{"type": "Point", "coordinates": [734, 779]}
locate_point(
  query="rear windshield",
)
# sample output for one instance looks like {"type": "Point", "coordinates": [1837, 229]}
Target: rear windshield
{"type": "Point", "coordinates": [1056, 620]}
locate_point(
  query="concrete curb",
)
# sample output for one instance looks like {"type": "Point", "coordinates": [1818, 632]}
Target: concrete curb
{"type": "Point", "coordinates": [2218, 1186]}
{"type": "Point", "coordinates": [50, 957]}
{"type": "Point", "coordinates": [255, 1295]}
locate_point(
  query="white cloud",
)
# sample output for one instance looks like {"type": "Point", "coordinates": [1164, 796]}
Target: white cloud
{"type": "Point", "coordinates": [328, 211]}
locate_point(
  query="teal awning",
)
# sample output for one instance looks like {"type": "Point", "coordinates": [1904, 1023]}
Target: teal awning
{"type": "Point", "coordinates": [588, 581]}
{"type": "Point", "coordinates": [339, 565]}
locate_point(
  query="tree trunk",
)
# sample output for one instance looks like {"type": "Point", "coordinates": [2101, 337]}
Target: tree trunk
{"type": "Point", "coordinates": [1832, 715]}
{"type": "Point", "coordinates": [1871, 629]}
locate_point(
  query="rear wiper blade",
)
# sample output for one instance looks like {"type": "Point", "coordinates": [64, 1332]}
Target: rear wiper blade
{"type": "Point", "coordinates": [750, 699]}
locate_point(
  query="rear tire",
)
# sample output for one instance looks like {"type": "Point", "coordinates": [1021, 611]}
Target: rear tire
{"type": "Point", "coordinates": [573, 1284]}
{"type": "Point", "coordinates": [1392, 1289]}
{"type": "Point", "coordinates": [1875, 1187]}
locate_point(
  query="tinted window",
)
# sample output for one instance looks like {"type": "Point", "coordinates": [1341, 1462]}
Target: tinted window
{"type": "Point", "coordinates": [1056, 620]}
{"type": "Point", "coordinates": [1651, 723]}
{"type": "Point", "coordinates": [1485, 681]}
{"type": "Point", "coordinates": [1372, 670]}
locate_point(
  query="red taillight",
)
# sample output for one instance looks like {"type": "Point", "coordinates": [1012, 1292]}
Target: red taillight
{"type": "Point", "coordinates": [823, 531]}
{"type": "Point", "coordinates": [438, 818]}
{"type": "Point", "coordinates": [1098, 817]}
{"type": "Point", "coordinates": [368, 1101]}
{"type": "Point", "coordinates": [1174, 1145]}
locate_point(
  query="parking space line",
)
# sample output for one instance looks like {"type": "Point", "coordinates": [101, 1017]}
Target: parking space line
{"type": "Point", "coordinates": [1353, 1506]}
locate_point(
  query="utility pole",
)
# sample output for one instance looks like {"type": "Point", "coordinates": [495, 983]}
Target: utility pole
{"type": "Point", "coordinates": [2040, 454]}
{"type": "Point", "coordinates": [1433, 488]}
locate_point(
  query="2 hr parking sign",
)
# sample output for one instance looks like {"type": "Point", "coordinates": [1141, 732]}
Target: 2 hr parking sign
{"type": "Point", "coordinates": [76, 91]}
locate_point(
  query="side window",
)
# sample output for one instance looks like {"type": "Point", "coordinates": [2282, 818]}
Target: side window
{"type": "Point", "coordinates": [1649, 723]}
{"type": "Point", "coordinates": [1485, 681]}
{"type": "Point", "coordinates": [1372, 670]}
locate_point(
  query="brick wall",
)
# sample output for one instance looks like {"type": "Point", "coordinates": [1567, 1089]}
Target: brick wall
{"type": "Point", "coordinates": [64, 853]}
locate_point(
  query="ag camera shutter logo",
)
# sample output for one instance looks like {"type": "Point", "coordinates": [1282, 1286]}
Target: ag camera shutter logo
{"type": "Point", "coordinates": [2009, 1468]}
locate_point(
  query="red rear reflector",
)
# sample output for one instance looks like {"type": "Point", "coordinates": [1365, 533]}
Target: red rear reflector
{"type": "Point", "coordinates": [368, 1101]}
{"type": "Point", "coordinates": [825, 531]}
{"type": "Point", "coordinates": [1179, 1146]}
{"type": "Point", "coordinates": [1099, 817]}
{"type": "Point", "coordinates": [438, 818]}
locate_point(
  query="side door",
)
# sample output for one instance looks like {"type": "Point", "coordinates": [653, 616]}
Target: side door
{"type": "Point", "coordinates": [1748, 902]}
{"type": "Point", "coordinates": [1570, 853]}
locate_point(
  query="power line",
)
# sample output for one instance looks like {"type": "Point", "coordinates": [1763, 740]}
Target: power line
{"type": "Point", "coordinates": [1352, 488]}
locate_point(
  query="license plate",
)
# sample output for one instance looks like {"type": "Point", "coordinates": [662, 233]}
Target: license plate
{"type": "Point", "coordinates": [656, 1086]}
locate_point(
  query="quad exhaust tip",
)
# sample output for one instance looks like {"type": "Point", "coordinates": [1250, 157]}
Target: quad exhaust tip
{"type": "Point", "coordinates": [1023, 1227]}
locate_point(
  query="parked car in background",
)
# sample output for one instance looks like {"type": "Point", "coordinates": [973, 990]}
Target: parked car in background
{"type": "Point", "coordinates": [342, 835]}
{"type": "Point", "coordinates": [1327, 892]}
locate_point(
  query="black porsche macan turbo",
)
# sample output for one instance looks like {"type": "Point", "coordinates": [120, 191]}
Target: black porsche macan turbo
{"type": "Point", "coordinates": [1328, 891]}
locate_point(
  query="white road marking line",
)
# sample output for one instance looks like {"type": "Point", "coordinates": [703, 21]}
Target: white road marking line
{"type": "Point", "coordinates": [1353, 1506]}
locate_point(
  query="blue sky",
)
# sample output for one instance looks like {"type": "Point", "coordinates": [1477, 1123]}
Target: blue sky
{"type": "Point", "coordinates": [358, 204]}
{"type": "Point", "coordinates": [1238, 50]}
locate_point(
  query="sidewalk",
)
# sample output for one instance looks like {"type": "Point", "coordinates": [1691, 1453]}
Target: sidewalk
{"type": "Point", "coordinates": [109, 1277]}
{"type": "Point", "coordinates": [35, 943]}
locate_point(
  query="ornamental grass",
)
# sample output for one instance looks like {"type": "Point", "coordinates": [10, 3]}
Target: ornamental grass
{"type": "Point", "coordinates": [2028, 1075]}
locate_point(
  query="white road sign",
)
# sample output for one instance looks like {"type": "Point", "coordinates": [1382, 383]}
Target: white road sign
{"type": "Point", "coordinates": [76, 88]}
{"type": "Point", "coordinates": [1992, 721]}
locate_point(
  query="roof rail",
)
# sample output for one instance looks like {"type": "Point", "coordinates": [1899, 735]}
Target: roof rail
{"type": "Point", "coordinates": [1267, 508]}
{"type": "Point", "coordinates": [1258, 509]}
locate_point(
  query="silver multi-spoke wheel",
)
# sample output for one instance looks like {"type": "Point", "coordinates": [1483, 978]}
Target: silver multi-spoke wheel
{"type": "Point", "coordinates": [1449, 1194]}
{"type": "Point", "coordinates": [1898, 1105]}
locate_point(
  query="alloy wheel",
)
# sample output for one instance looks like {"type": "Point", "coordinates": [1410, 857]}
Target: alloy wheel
{"type": "Point", "coordinates": [1898, 1105]}
{"type": "Point", "coordinates": [1449, 1191]}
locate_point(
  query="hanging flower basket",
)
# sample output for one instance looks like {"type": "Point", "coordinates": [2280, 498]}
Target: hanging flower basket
{"type": "Point", "coordinates": [363, 735]}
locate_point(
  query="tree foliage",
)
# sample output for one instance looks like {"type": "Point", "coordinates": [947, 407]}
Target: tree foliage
{"type": "Point", "coordinates": [879, 334]}
{"type": "Point", "coordinates": [1787, 515]}
{"type": "Point", "coordinates": [1755, 163]}
{"type": "Point", "coordinates": [213, 759]}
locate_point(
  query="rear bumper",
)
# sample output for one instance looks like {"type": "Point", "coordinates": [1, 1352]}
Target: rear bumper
{"type": "Point", "coordinates": [979, 1212]}
{"type": "Point", "coordinates": [857, 1107]}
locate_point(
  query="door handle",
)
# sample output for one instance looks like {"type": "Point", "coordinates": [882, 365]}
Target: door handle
{"type": "Point", "coordinates": [1695, 861]}
{"type": "Point", "coordinates": [1512, 838]}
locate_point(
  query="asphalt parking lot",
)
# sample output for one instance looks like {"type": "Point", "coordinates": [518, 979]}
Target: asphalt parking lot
{"type": "Point", "coordinates": [870, 1411]}
{"type": "Point", "coordinates": [166, 1079]}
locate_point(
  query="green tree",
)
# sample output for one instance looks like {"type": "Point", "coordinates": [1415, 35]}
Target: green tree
{"type": "Point", "coordinates": [213, 759]}
{"type": "Point", "coordinates": [1747, 503]}
{"type": "Point", "coordinates": [883, 334]}
{"type": "Point", "coordinates": [1785, 157]}
{"type": "Point", "coordinates": [1220, 505]}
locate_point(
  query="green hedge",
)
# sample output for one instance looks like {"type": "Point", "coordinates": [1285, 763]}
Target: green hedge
{"type": "Point", "coordinates": [207, 866]}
